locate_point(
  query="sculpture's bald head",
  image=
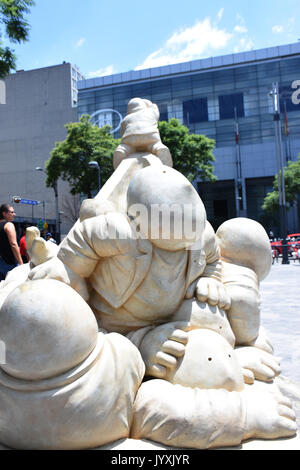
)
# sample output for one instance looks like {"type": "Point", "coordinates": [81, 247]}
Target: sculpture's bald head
{"type": "Point", "coordinates": [167, 207]}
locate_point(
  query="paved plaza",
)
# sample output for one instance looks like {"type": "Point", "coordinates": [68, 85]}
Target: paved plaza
{"type": "Point", "coordinates": [280, 315]}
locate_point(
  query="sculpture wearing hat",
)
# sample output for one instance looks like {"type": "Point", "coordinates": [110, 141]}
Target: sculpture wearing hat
{"type": "Point", "coordinates": [139, 132]}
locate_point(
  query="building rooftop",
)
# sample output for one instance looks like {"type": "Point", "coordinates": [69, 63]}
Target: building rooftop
{"type": "Point", "coordinates": [201, 65]}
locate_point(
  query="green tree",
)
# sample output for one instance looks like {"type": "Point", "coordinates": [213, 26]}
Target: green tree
{"type": "Point", "coordinates": [192, 153]}
{"type": "Point", "coordinates": [292, 188]}
{"type": "Point", "coordinates": [15, 28]}
{"type": "Point", "coordinates": [69, 159]}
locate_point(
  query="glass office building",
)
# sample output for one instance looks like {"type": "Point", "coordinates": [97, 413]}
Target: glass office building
{"type": "Point", "coordinates": [228, 99]}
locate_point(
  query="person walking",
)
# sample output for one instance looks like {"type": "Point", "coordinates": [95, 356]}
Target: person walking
{"type": "Point", "coordinates": [10, 255]}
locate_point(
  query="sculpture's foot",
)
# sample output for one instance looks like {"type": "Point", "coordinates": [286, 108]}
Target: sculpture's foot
{"type": "Point", "coordinates": [263, 341]}
{"type": "Point", "coordinates": [257, 364]}
{"type": "Point", "coordinates": [163, 153]}
{"type": "Point", "coordinates": [121, 152]}
{"type": "Point", "coordinates": [269, 414]}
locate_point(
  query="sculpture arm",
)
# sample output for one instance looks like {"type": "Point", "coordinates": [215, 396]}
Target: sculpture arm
{"type": "Point", "coordinates": [184, 417]}
{"type": "Point", "coordinates": [82, 249]}
{"type": "Point", "coordinates": [197, 418]}
{"type": "Point", "coordinates": [209, 287]}
{"type": "Point", "coordinates": [95, 238]}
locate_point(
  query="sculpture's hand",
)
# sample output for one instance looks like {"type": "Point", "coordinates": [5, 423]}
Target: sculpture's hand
{"type": "Point", "coordinates": [162, 346]}
{"type": "Point", "coordinates": [212, 291]}
{"type": "Point", "coordinates": [55, 269]}
{"type": "Point", "coordinates": [257, 364]}
{"type": "Point", "coordinates": [268, 415]}
{"type": "Point", "coordinates": [262, 341]}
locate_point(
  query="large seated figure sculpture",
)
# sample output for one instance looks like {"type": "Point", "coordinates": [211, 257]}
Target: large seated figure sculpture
{"type": "Point", "coordinates": [148, 265]}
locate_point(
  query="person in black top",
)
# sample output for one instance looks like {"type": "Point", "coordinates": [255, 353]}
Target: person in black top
{"type": "Point", "coordinates": [10, 255]}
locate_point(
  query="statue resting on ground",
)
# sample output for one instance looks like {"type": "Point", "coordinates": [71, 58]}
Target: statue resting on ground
{"type": "Point", "coordinates": [170, 298]}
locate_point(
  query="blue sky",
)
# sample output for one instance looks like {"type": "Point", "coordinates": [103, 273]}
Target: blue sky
{"type": "Point", "coordinates": [104, 37]}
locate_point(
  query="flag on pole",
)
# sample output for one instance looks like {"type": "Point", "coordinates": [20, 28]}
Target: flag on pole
{"type": "Point", "coordinates": [236, 132]}
{"type": "Point", "coordinates": [286, 122]}
{"type": "Point", "coordinates": [236, 128]}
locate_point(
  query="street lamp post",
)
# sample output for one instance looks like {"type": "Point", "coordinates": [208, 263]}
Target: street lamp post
{"type": "Point", "coordinates": [94, 164]}
{"type": "Point", "coordinates": [57, 217]}
{"type": "Point", "coordinates": [281, 186]}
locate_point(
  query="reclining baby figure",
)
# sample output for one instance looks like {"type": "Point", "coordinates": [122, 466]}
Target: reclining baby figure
{"type": "Point", "coordinates": [164, 286]}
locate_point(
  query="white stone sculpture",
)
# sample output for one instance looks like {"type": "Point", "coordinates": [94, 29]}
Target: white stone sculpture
{"type": "Point", "coordinates": [142, 262]}
{"type": "Point", "coordinates": [139, 132]}
{"type": "Point", "coordinates": [61, 386]}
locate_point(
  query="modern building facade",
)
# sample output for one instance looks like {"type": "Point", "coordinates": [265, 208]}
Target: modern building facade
{"type": "Point", "coordinates": [38, 103]}
{"type": "Point", "coordinates": [228, 99]}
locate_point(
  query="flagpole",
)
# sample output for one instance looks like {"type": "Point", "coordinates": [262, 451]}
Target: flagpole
{"type": "Point", "coordinates": [240, 192]}
{"type": "Point", "coordinates": [287, 134]}
{"type": "Point", "coordinates": [281, 184]}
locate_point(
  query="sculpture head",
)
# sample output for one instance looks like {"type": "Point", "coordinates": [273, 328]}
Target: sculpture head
{"type": "Point", "coordinates": [209, 362]}
{"type": "Point", "coordinates": [245, 242]}
{"type": "Point", "coordinates": [47, 329]}
{"type": "Point", "coordinates": [166, 207]}
{"type": "Point", "coordinates": [137, 104]}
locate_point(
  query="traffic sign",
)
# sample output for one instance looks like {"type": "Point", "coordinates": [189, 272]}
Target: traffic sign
{"type": "Point", "coordinates": [19, 199]}
{"type": "Point", "coordinates": [29, 201]}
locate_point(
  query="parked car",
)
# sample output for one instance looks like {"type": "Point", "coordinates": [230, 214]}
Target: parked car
{"type": "Point", "coordinates": [293, 241]}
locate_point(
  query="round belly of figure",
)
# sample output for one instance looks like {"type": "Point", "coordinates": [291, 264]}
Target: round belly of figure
{"type": "Point", "coordinates": [209, 362]}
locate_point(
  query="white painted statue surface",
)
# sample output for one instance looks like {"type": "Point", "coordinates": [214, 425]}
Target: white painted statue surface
{"type": "Point", "coordinates": [61, 386]}
{"type": "Point", "coordinates": [170, 298]}
{"type": "Point", "coordinates": [139, 132]}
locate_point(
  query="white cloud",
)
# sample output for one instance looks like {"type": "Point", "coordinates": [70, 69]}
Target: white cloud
{"type": "Point", "coordinates": [201, 40]}
{"type": "Point", "coordinates": [80, 42]}
{"type": "Point", "coordinates": [108, 70]}
{"type": "Point", "coordinates": [220, 14]}
{"type": "Point", "coordinates": [277, 29]}
{"type": "Point", "coordinates": [240, 29]}
{"type": "Point", "coordinates": [244, 44]}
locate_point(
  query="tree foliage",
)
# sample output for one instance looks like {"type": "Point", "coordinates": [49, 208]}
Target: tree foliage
{"type": "Point", "coordinates": [192, 153]}
{"type": "Point", "coordinates": [292, 187]}
{"type": "Point", "coordinates": [69, 158]}
{"type": "Point", "coordinates": [15, 28]}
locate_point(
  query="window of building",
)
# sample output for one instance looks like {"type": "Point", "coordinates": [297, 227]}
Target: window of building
{"type": "Point", "coordinates": [220, 208]}
{"type": "Point", "coordinates": [163, 112]}
{"type": "Point", "coordinates": [195, 110]}
{"type": "Point", "coordinates": [228, 104]}
{"type": "Point", "coordinates": [175, 110]}
{"type": "Point", "coordinates": [104, 118]}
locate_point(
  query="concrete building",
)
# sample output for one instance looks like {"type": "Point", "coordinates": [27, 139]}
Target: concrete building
{"type": "Point", "coordinates": [38, 103]}
{"type": "Point", "coordinates": [228, 99]}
